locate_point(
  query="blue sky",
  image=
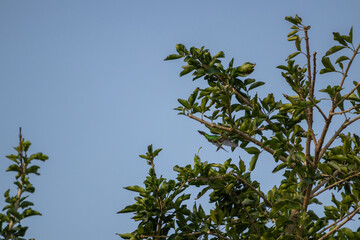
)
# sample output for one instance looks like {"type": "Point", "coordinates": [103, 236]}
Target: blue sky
{"type": "Point", "coordinates": [87, 83]}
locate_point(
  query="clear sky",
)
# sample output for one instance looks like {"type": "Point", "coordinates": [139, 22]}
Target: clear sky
{"type": "Point", "coordinates": [86, 81]}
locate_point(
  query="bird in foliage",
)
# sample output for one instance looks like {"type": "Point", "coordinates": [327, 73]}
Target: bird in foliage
{"type": "Point", "coordinates": [218, 140]}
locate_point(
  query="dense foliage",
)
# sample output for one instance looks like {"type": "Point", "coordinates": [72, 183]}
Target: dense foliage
{"type": "Point", "coordinates": [313, 161]}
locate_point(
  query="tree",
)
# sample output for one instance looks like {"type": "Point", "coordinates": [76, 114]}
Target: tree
{"type": "Point", "coordinates": [18, 206]}
{"type": "Point", "coordinates": [313, 161]}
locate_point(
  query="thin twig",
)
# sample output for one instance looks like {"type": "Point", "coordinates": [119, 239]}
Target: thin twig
{"type": "Point", "coordinates": [319, 109]}
{"type": "Point", "coordinates": [240, 133]}
{"type": "Point", "coordinates": [314, 75]}
{"type": "Point", "coordinates": [251, 220]}
{"type": "Point", "coordinates": [348, 95]}
{"type": "Point", "coordinates": [346, 111]}
{"type": "Point", "coordinates": [309, 116]}
{"type": "Point", "coordinates": [348, 66]}
{"type": "Point", "coordinates": [318, 151]}
{"type": "Point", "coordinates": [20, 189]}
{"type": "Point", "coordinates": [323, 182]}
{"type": "Point", "coordinates": [238, 178]}
{"type": "Point", "coordinates": [334, 184]}
{"type": "Point", "coordinates": [187, 234]}
{"type": "Point", "coordinates": [342, 127]}
{"type": "Point", "coordinates": [334, 223]}
{"type": "Point", "coordinates": [341, 224]}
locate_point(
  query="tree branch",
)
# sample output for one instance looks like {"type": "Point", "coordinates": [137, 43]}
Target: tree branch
{"type": "Point", "coordinates": [334, 184]}
{"type": "Point", "coordinates": [20, 189]}
{"type": "Point", "coordinates": [309, 115]}
{"type": "Point", "coordinates": [238, 178]}
{"type": "Point", "coordinates": [346, 111]}
{"type": "Point", "coordinates": [318, 151]}
{"type": "Point", "coordinates": [323, 182]}
{"type": "Point", "coordinates": [240, 133]}
{"type": "Point", "coordinates": [319, 109]}
{"type": "Point", "coordinates": [187, 234]}
{"type": "Point", "coordinates": [342, 127]}
{"type": "Point", "coordinates": [251, 220]}
{"type": "Point", "coordinates": [348, 95]}
{"type": "Point", "coordinates": [349, 65]}
{"type": "Point", "coordinates": [341, 224]}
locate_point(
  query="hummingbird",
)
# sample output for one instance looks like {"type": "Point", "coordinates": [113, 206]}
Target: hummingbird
{"type": "Point", "coordinates": [218, 140]}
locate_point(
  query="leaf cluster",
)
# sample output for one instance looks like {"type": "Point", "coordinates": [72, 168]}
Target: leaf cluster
{"type": "Point", "coordinates": [18, 207]}
{"type": "Point", "coordinates": [311, 161]}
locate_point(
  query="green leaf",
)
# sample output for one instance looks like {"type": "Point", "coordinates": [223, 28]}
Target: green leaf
{"type": "Point", "coordinates": [26, 204]}
{"type": "Point", "coordinates": [180, 48]}
{"type": "Point", "coordinates": [130, 208]}
{"type": "Point", "coordinates": [156, 152]}
{"type": "Point", "coordinates": [292, 55]}
{"type": "Point", "coordinates": [39, 156]}
{"type": "Point", "coordinates": [135, 189]}
{"type": "Point", "coordinates": [246, 69]}
{"type": "Point", "coordinates": [33, 169]}
{"type": "Point", "coordinates": [13, 168]}
{"type": "Point", "coordinates": [13, 158]}
{"type": "Point", "coordinates": [278, 206]}
{"type": "Point", "coordinates": [255, 85]}
{"type": "Point", "coordinates": [326, 70]}
{"type": "Point", "coordinates": [187, 69]}
{"type": "Point", "coordinates": [242, 166]}
{"type": "Point", "coordinates": [282, 67]}
{"type": "Point", "coordinates": [252, 150]}
{"type": "Point", "coordinates": [335, 165]}
{"type": "Point", "coordinates": [173, 57]}
{"type": "Point", "coordinates": [294, 20]}
{"type": "Point", "coordinates": [334, 49]}
{"type": "Point", "coordinates": [219, 55]}
{"type": "Point", "coordinates": [217, 216]}
{"type": "Point", "coordinates": [300, 156]}
{"type": "Point", "coordinates": [184, 103]}
{"type": "Point", "coordinates": [203, 103]}
{"type": "Point", "coordinates": [125, 235]}
{"type": "Point", "coordinates": [339, 38]}
{"type": "Point", "coordinates": [30, 212]}
{"type": "Point", "coordinates": [293, 38]}
{"type": "Point", "coordinates": [342, 58]}
{"type": "Point", "coordinates": [292, 32]}
{"type": "Point", "coordinates": [202, 192]}
{"type": "Point", "coordinates": [327, 63]}
{"type": "Point", "coordinates": [298, 44]}
{"type": "Point", "coordinates": [279, 167]}
{"type": "Point", "coordinates": [26, 145]}
{"type": "Point", "coordinates": [351, 35]}
{"type": "Point", "coordinates": [193, 97]}
{"type": "Point", "coordinates": [253, 162]}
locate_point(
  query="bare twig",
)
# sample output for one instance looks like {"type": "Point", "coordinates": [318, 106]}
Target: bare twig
{"type": "Point", "coordinates": [346, 111]}
{"type": "Point", "coordinates": [314, 75]}
{"type": "Point", "coordinates": [319, 109]}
